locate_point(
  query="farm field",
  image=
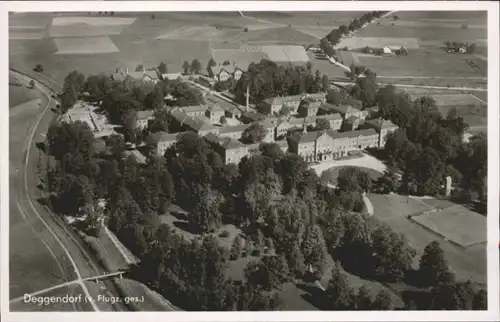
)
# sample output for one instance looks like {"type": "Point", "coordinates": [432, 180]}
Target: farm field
{"type": "Point", "coordinates": [89, 45]}
{"type": "Point", "coordinates": [424, 62]}
{"type": "Point", "coordinates": [19, 95]}
{"type": "Point", "coordinates": [171, 38]}
{"type": "Point", "coordinates": [470, 82]}
{"type": "Point", "coordinates": [312, 18]}
{"type": "Point", "coordinates": [393, 209]}
{"type": "Point", "coordinates": [433, 26]}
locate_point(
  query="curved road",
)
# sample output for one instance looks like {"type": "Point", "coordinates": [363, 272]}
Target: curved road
{"type": "Point", "coordinates": [83, 264]}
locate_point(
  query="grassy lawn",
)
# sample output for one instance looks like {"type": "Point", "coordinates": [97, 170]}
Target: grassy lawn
{"type": "Point", "coordinates": [457, 224]}
{"type": "Point", "coordinates": [36, 260]}
{"type": "Point", "coordinates": [467, 263]}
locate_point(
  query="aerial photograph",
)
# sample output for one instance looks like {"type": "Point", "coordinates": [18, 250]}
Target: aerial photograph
{"type": "Point", "coordinates": [248, 161]}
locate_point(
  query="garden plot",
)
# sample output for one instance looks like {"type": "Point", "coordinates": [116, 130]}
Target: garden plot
{"type": "Point", "coordinates": [87, 45]}
{"type": "Point", "coordinates": [456, 224]}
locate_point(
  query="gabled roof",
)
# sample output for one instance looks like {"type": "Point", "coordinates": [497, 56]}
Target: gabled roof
{"type": "Point", "coordinates": [215, 108]}
{"type": "Point", "coordinates": [136, 75]}
{"type": "Point", "coordinates": [329, 117]}
{"type": "Point", "coordinates": [141, 115]}
{"type": "Point", "coordinates": [163, 136]}
{"type": "Point", "coordinates": [310, 103]}
{"type": "Point", "coordinates": [278, 100]}
{"type": "Point", "coordinates": [381, 124]}
{"type": "Point", "coordinates": [343, 109]}
{"type": "Point", "coordinates": [234, 129]}
{"type": "Point", "coordinates": [316, 96]}
{"type": "Point", "coordinates": [229, 68]}
{"type": "Point", "coordinates": [307, 137]}
{"type": "Point", "coordinates": [229, 143]}
{"type": "Point", "coordinates": [255, 116]}
{"type": "Point", "coordinates": [119, 77]}
{"type": "Point", "coordinates": [171, 75]}
{"type": "Point", "coordinates": [152, 73]}
{"type": "Point", "coordinates": [212, 138]}
{"type": "Point", "coordinates": [140, 75]}
{"type": "Point", "coordinates": [194, 108]}
{"type": "Point", "coordinates": [351, 134]}
{"type": "Point", "coordinates": [266, 124]}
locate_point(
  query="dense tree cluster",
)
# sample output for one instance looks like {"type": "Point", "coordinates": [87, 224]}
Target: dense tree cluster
{"type": "Point", "coordinates": [380, 253]}
{"type": "Point", "coordinates": [428, 147]}
{"type": "Point", "coordinates": [334, 36]}
{"type": "Point", "coordinates": [288, 218]}
{"type": "Point", "coordinates": [455, 46]}
{"type": "Point", "coordinates": [339, 295]}
{"type": "Point", "coordinates": [267, 79]}
{"type": "Point", "coordinates": [71, 90]}
{"type": "Point", "coordinates": [446, 293]}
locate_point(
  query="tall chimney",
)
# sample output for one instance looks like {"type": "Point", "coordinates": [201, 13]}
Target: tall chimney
{"type": "Point", "coordinates": [248, 99]}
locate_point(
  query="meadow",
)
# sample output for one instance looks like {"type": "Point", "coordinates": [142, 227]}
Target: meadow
{"type": "Point", "coordinates": [429, 62]}
{"type": "Point", "coordinates": [456, 224]}
{"type": "Point", "coordinates": [313, 18]}
{"type": "Point", "coordinates": [35, 257]}
{"type": "Point", "coordinates": [393, 209]}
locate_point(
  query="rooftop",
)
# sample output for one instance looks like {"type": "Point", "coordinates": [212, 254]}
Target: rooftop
{"type": "Point", "coordinates": [267, 124]}
{"type": "Point", "coordinates": [334, 116]}
{"type": "Point", "coordinates": [141, 115]}
{"type": "Point", "coordinates": [171, 75]}
{"type": "Point", "coordinates": [215, 108]}
{"type": "Point", "coordinates": [229, 143]}
{"type": "Point", "coordinates": [381, 124]}
{"type": "Point", "coordinates": [240, 58]}
{"type": "Point", "coordinates": [230, 68]}
{"type": "Point", "coordinates": [212, 138]}
{"type": "Point", "coordinates": [194, 108]}
{"type": "Point", "coordinates": [233, 129]}
{"type": "Point", "coordinates": [163, 136]}
{"type": "Point", "coordinates": [343, 109]}
{"type": "Point", "coordinates": [278, 100]}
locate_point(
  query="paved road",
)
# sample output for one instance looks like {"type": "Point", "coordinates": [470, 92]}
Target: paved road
{"type": "Point", "coordinates": [366, 161]}
{"type": "Point", "coordinates": [82, 261]}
